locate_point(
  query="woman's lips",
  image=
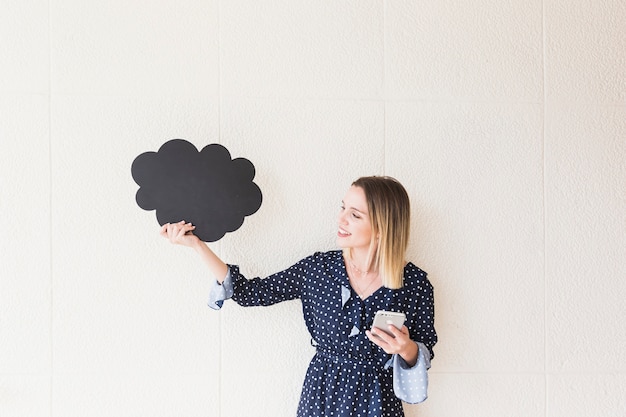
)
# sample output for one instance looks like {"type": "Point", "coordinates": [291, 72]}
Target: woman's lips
{"type": "Point", "coordinates": [342, 233]}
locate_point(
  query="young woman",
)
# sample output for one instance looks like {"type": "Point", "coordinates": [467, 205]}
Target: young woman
{"type": "Point", "coordinates": [357, 370]}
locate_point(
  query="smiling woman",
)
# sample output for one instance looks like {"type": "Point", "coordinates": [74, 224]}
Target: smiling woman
{"type": "Point", "coordinates": [388, 209]}
{"type": "Point", "coordinates": [355, 229]}
{"type": "Point", "coordinates": [357, 370]}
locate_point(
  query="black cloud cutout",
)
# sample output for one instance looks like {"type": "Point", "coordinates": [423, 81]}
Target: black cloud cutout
{"type": "Point", "coordinates": [206, 188]}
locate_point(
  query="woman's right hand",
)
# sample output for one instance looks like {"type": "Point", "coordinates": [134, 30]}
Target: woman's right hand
{"type": "Point", "coordinates": [180, 233]}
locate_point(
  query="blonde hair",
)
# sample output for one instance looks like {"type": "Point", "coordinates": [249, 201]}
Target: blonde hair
{"type": "Point", "coordinates": [390, 217]}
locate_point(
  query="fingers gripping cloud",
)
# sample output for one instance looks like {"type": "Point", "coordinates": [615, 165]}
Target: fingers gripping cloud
{"type": "Point", "coordinates": [206, 188]}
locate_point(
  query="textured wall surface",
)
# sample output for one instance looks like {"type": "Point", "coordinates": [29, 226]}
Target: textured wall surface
{"type": "Point", "coordinates": [506, 121]}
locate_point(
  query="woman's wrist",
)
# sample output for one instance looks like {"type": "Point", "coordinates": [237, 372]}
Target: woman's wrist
{"type": "Point", "coordinates": [198, 245]}
{"type": "Point", "coordinates": [217, 268]}
{"type": "Point", "coordinates": [410, 354]}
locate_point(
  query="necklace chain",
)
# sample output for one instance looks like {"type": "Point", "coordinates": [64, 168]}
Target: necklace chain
{"type": "Point", "coordinates": [361, 291]}
{"type": "Point", "coordinates": [357, 269]}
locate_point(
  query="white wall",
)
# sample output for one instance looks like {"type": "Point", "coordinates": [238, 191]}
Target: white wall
{"type": "Point", "coordinates": [506, 121]}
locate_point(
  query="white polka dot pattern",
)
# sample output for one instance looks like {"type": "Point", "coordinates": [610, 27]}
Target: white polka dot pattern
{"type": "Point", "coordinates": [348, 376]}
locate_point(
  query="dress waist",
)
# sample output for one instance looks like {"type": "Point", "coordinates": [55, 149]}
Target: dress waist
{"type": "Point", "coordinates": [349, 360]}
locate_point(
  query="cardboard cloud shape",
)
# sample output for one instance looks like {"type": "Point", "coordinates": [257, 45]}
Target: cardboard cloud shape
{"type": "Point", "coordinates": [206, 188]}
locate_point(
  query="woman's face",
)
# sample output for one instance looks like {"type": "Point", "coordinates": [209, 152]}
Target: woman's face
{"type": "Point", "coordinates": [355, 230]}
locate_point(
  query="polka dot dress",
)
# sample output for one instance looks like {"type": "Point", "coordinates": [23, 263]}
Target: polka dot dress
{"type": "Point", "coordinates": [347, 377]}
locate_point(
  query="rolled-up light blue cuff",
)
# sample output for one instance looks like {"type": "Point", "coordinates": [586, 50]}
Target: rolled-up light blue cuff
{"type": "Point", "coordinates": [410, 383]}
{"type": "Point", "coordinates": [220, 292]}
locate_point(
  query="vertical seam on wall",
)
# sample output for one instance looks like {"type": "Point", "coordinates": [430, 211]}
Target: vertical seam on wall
{"type": "Point", "coordinates": [50, 262]}
{"type": "Point", "coordinates": [543, 178]}
{"type": "Point", "coordinates": [384, 87]}
{"type": "Point", "coordinates": [219, 74]}
{"type": "Point", "coordinates": [220, 373]}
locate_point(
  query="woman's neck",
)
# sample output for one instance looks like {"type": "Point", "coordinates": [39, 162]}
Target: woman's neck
{"type": "Point", "coordinates": [359, 259]}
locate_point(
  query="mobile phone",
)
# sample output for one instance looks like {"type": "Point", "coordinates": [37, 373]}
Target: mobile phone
{"type": "Point", "coordinates": [383, 319]}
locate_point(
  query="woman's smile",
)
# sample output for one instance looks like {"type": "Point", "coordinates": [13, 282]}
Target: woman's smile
{"type": "Point", "coordinates": [354, 229]}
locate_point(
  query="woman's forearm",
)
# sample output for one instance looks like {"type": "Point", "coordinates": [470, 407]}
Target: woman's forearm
{"type": "Point", "coordinates": [217, 268]}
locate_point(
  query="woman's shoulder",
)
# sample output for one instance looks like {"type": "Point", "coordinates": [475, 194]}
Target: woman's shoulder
{"type": "Point", "coordinates": [410, 269]}
{"type": "Point", "coordinates": [331, 255]}
{"type": "Point", "coordinates": [323, 258]}
{"type": "Point", "coordinates": [330, 262]}
{"type": "Point", "coordinates": [415, 278]}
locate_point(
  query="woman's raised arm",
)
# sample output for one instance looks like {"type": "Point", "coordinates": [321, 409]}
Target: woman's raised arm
{"type": "Point", "coordinates": [181, 233]}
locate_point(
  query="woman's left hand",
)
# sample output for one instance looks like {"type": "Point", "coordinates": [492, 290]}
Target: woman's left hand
{"type": "Point", "coordinates": [399, 343]}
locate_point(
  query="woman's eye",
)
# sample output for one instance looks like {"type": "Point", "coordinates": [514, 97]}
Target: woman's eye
{"type": "Point", "coordinates": [356, 216]}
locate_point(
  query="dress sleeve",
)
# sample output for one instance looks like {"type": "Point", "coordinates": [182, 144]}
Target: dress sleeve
{"type": "Point", "coordinates": [281, 286]}
{"type": "Point", "coordinates": [218, 293]}
{"type": "Point", "coordinates": [423, 328]}
{"type": "Point", "coordinates": [410, 384]}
